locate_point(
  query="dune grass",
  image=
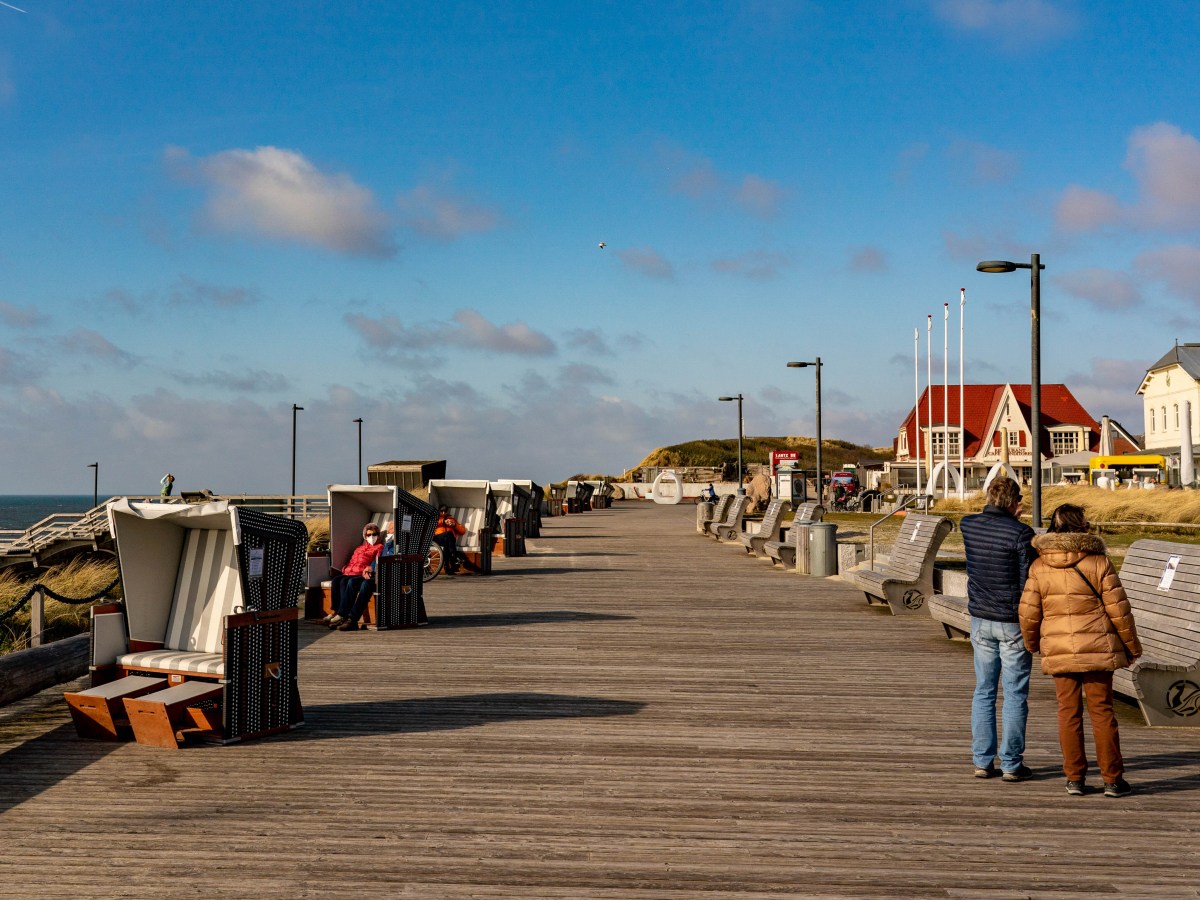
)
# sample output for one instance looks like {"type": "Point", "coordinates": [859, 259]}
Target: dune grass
{"type": "Point", "coordinates": [81, 577]}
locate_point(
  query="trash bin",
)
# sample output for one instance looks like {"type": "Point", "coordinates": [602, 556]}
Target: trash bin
{"type": "Point", "coordinates": [802, 555]}
{"type": "Point", "coordinates": [822, 549]}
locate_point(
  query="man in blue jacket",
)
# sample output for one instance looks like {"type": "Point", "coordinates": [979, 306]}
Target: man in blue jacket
{"type": "Point", "coordinates": [999, 554]}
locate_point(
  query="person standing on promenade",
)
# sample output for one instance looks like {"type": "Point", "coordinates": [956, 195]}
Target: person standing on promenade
{"type": "Point", "coordinates": [999, 554]}
{"type": "Point", "coordinates": [168, 485]}
{"type": "Point", "coordinates": [1074, 610]}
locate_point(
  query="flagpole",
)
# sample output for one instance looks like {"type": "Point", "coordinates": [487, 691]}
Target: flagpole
{"type": "Point", "coordinates": [929, 393]}
{"type": "Point", "coordinates": [917, 400]}
{"type": "Point", "coordinates": [946, 399]}
{"type": "Point", "coordinates": [962, 422]}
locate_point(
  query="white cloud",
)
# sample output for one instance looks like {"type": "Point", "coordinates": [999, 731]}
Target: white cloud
{"type": "Point", "coordinates": [444, 215]}
{"type": "Point", "coordinates": [21, 316]}
{"type": "Point", "coordinates": [1015, 22]}
{"type": "Point", "coordinates": [647, 261]}
{"type": "Point", "coordinates": [757, 265]}
{"type": "Point", "coordinates": [92, 345]}
{"type": "Point", "coordinates": [1106, 388]}
{"type": "Point", "coordinates": [984, 164]}
{"type": "Point", "coordinates": [1177, 267]}
{"type": "Point", "coordinates": [1082, 209]}
{"type": "Point", "coordinates": [1103, 288]}
{"type": "Point", "coordinates": [869, 259]}
{"type": "Point", "coordinates": [590, 340]}
{"type": "Point", "coordinates": [416, 346]}
{"type": "Point", "coordinates": [249, 381]}
{"type": "Point", "coordinates": [191, 292]}
{"type": "Point", "coordinates": [1166, 164]}
{"type": "Point", "coordinates": [695, 176]}
{"type": "Point", "coordinates": [279, 194]}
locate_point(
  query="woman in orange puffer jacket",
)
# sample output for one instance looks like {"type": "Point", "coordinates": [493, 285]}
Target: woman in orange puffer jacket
{"type": "Point", "coordinates": [1075, 613]}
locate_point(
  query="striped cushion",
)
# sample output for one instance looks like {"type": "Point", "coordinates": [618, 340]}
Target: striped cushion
{"type": "Point", "coordinates": [472, 520]}
{"type": "Point", "coordinates": [206, 591]}
{"type": "Point", "coordinates": [175, 661]}
{"type": "Point", "coordinates": [504, 506]}
{"type": "Point", "coordinates": [380, 520]}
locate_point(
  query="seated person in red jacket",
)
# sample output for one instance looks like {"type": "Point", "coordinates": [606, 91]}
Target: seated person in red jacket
{"type": "Point", "coordinates": [352, 589]}
{"type": "Point", "coordinates": [446, 533]}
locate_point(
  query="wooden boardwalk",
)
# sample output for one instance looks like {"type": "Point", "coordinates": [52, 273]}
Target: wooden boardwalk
{"type": "Point", "coordinates": [631, 711]}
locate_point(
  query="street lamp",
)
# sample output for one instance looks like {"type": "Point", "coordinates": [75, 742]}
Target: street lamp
{"type": "Point", "coordinates": [1035, 377]}
{"type": "Point", "coordinates": [295, 409]}
{"type": "Point", "coordinates": [820, 477]}
{"type": "Point", "coordinates": [95, 483]}
{"type": "Point", "coordinates": [741, 489]}
{"type": "Point", "coordinates": [358, 422]}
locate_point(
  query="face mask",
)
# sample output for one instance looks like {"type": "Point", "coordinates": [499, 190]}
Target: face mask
{"type": "Point", "coordinates": [372, 539]}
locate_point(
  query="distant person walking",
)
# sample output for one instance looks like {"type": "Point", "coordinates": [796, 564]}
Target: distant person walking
{"type": "Point", "coordinates": [168, 485]}
{"type": "Point", "coordinates": [1074, 611]}
{"type": "Point", "coordinates": [999, 554]}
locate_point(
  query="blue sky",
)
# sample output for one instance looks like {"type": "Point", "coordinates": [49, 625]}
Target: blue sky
{"type": "Point", "coordinates": [393, 211]}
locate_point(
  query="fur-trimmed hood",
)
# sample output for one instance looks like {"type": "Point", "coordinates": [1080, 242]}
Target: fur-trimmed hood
{"type": "Point", "coordinates": [1062, 550]}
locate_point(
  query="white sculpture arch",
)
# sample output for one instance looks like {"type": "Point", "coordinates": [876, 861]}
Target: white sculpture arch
{"type": "Point", "coordinates": [936, 476]}
{"type": "Point", "coordinates": [1000, 468]}
{"type": "Point", "coordinates": [667, 488]}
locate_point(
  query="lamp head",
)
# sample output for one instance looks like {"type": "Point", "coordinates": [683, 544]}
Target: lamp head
{"type": "Point", "coordinates": [727, 398]}
{"type": "Point", "coordinates": [996, 265]}
{"type": "Point", "coordinates": [798, 365]}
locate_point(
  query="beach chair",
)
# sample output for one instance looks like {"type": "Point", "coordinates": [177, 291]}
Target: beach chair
{"type": "Point", "coordinates": [204, 643]}
{"type": "Point", "coordinates": [472, 504]}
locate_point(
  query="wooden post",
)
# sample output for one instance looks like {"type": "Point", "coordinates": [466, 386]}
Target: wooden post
{"type": "Point", "coordinates": [37, 617]}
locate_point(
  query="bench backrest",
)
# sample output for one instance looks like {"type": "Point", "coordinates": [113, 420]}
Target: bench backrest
{"type": "Point", "coordinates": [737, 510]}
{"type": "Point", "coordinates": [917, 545]}
{"type": "Point", "coordinates": [474, 520]}
{"type": "Point", "coordinates": [206, 590]}
{"type": "Point", "coordinates": [1162, 581]}
{"type": "Point", "coordinates": [809, 511]}
{"type": "Point", "coordinates": [770, 518]}
{"type": "Point", "coordinates": [722, 507]}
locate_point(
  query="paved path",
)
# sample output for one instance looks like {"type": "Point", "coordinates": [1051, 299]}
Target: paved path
{"type": "Point", "coordinates": [631, 711]}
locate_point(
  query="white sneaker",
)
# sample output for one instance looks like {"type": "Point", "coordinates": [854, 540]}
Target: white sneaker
{"type": "Point", "coordinates": [335, 620]}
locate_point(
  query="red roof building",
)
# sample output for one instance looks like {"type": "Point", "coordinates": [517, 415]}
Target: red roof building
{"type": "Point", "coordinates": [995, 428]}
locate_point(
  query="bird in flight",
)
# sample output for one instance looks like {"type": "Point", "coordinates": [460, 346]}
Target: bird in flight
{"type": "Point", "coordinates": [602, 244]}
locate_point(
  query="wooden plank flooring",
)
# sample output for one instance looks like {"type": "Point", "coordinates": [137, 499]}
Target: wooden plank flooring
{"type": "Point", "coordinates": [631, 711]}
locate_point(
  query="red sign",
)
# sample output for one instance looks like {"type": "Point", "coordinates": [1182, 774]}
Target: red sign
{"type": "Point", "coordinates": [784, 456]}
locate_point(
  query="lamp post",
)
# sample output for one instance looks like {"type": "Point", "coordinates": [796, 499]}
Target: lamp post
{"type": "Point", "coordinates": [95, 483]}
{"type": "Point", "coordinates": [820, 477]}
{"type": "Point", "coordinates": [1035, 377]}
{"type": "Point", "coordinates": [358, 422]}
{"type": "Point", "coordinates": [741, 489]}
{"type": "Point", "coordinates": [295, 409]}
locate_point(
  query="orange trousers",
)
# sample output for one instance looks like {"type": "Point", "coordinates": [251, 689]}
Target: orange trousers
{"type": "Point", "coordinates": [1071, 689]}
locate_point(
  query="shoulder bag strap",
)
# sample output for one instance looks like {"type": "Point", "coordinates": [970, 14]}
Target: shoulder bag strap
{"type": "Point", "coordinates": [1089, 584]}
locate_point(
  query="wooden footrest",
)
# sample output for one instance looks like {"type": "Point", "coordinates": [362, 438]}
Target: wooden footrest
{"type": "Point", "coordinates": [99, 712]}
{"type": "Point", "coordinates": [157, 718]}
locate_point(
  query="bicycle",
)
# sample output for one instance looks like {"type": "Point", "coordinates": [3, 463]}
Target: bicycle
{"type": "Point", "coordinates": [435, 559]}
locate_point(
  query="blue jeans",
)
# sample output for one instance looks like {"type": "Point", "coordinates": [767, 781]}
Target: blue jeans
{"type": "Point", "coordinates": [1000, 657]}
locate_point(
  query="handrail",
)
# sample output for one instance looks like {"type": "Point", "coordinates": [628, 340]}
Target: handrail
{"type": "Point", "coordinates": [903, 506]}
{"type": "Point", "coordinates": [93, 524]}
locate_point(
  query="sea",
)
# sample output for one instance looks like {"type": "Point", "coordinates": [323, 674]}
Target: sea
{"type": "Point", "coordinates": [19, 511]}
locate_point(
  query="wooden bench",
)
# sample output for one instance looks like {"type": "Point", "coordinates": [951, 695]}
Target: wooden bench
{"type": "Point", "coordinates": [210, 596]}
{"type": "Point", "coordinates": [768, 528]}
{"type": "Point", "coordinates": [164, 718]}
{"type": "Point", "coordinates": [906, 581]}
{"type": "Point", "coordinates": [951, 613]}
{"type": "Point", "coordinates": [1162, 581]}
{"type": "Point", "coordinates": [99, 712]}
{"type": "Point", "coordinates": [731, 526]}
{"type": "Point", "coordinates": [784, 551]}
{"type": "Point", "coordinates": [715, 512]}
